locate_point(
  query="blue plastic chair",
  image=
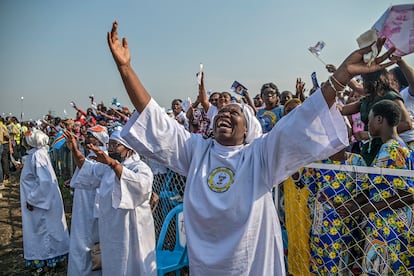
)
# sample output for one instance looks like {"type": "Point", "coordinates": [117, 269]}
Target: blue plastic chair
{"type": "Point", "coordinates": [176, 259]}
{"type": "Point", "coordinates": [169, 196]}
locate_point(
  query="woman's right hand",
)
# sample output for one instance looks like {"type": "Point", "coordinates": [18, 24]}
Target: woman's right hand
{"type": "Point", "coordinates": [120, 52]}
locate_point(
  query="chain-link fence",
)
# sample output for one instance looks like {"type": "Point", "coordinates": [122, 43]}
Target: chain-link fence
{"type": "Point", "coordinates": [170, 190]}
{"type": "Point", "coordinates": [349, 220]}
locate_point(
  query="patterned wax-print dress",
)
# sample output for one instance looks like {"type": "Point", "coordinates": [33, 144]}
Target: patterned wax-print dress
{"type": "Point", "coordinates": [332, 237]}
{"type": "Point", "coordinates": [389, 247]}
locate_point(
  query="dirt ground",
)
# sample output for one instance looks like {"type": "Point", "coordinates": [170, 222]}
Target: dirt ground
{"type": "Point", "coordinates": [11, 240]}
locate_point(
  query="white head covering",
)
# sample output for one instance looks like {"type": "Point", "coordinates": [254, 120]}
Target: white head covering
{"type": "Point", "coordinates": [37, 138]}
{"type": "Point", "coordinates": [116, 135]}
{"type": "Point", "coordinates": [100, 133]}
{"type": "Point", "coordinates": [254, 129]}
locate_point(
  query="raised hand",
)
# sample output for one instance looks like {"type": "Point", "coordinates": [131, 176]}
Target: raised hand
{"type": "Point", "coordinates": [120, 52]}
{"type": "Point", "coordinates": [71, 141]}
{"type": "Point", "coordinates": [331, 68]}
{"type": "Point", "coordinates": [354, 64]}
{"type": "Point", "coordinates": [122, 57]}
{"type": "Point", "coordinates": [300, 86]}
{"type": "Point", "coordinates": [201, 85]}
{"type": "Point", "coordinates": [101, 156]}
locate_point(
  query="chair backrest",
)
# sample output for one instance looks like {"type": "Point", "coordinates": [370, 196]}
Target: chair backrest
{"type": "Point", "coordinates": [180, 239]}
{"type": "Point", "coordinates": [167, 182]}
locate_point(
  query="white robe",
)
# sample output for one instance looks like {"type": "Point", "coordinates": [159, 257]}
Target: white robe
{"type": "Point", "coordinates": [230, 220]}
{"type": "Point", "coordinates": [84, 231]}
{"type": "Point", "coordinates": [45, 233]}
{"type": "Point", "coordinates": [126, 225]}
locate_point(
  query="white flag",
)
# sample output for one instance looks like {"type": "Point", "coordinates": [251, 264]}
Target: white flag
{"type": "Point", "coordinates": [316, 50]}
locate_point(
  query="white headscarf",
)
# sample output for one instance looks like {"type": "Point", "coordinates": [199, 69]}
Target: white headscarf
{"type": "Point", "coordinates": [37, 139]}
{"type": "Point", "coordinates": [116, 135]}
{"type": "Point", "coordinates": [254, 129]}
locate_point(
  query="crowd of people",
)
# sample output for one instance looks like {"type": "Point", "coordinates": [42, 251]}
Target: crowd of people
{"type": "Point", "coordinates": [251, 204]}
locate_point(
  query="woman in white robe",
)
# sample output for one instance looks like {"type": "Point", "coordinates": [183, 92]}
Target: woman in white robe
{"type": "Point", "coordinates": [126, 225]}
{"type": "Point", "coordinates": [231, 222]}
{"type": "Point", "coordinates": [84, 232]}
{"type": "Point", "coordinates": [45, 233]}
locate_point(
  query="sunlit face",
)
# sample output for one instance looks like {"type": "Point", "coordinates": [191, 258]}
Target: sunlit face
{"type": "Point", "coordinates": [285, 96]}
{"type": "Point", "coordinates": [230, 125]}
{"type": "Point", "coordinates": [69, 127]}
{"type": "Point", "coordinates": [288, 108]}
{"type": "Point", "coordinates": [79, 115]}
{"type": "Point", "coordinates": [353, 97]}
{"type": "Point", "coordinates": [270, 97]}
{"type": "Point", "coordinates": [118, 151]}
{"type": "Point", "coordinates": [176, 107]}
{"type": "Point", "coordinates": [224, 99]}
{"type": "Point", "coordinates": [116, 147]}
{"type": "Point", "coordinates": [393, 82]}
{"type": "Point", "coordinates": [214, 99]}
{"type": "Point", "coordinates": [90, 139]}
{"type": "Point", "coordinates": [83, 130]}
{"type": "Point", "coordinates": [258, 102]}
{"type": "Point", "coordinates": [373, 124]}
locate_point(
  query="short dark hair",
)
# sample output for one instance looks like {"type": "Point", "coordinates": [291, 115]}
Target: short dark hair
{"type": "Point", "coordinates": [270, 85]}
{"type": "Point", "coordinates": [212, 94]}
{"type": "Point", "coordinates": [399, 75]}
{"type": "Point", "coordinates": [225, 93]}
{"type": "Point", "coordinates": [177, 100]}
{"type": "Point", "coordinates": [389, 110]}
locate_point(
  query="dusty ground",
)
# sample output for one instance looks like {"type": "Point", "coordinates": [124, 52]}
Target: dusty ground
{"type": "Point", "coordinates": [11, 241]}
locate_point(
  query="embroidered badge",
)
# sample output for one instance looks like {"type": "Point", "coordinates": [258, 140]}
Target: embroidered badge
{"type": "Point", "coordinates": [220, 180]}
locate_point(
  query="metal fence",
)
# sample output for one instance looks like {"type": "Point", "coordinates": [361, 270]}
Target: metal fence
{"type": "Point", "coordinates": [355, 220]}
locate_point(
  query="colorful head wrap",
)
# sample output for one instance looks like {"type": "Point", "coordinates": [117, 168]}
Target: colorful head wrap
{"type": "Point", "coordinates": [100, 133]}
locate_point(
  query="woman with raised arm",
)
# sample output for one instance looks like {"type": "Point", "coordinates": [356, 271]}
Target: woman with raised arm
{"type": "Point", "coordinates": [230, 220]}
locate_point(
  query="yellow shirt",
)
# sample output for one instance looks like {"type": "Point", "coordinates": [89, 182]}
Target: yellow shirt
{"type": "Point", "coordinates": [4, 134]}
{"type": "Point", "coordinates": [14, 130]}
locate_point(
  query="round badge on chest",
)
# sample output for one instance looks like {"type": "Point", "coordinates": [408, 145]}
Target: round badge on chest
{"type": "Point", "coordinates": [220, 179]}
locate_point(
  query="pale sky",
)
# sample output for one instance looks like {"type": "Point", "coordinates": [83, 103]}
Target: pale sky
{"type": "Point", "coordinates": [54, 52]}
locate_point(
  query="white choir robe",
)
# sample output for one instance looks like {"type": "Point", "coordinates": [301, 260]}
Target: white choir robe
{"type": "Point", "coordinates": [45, 232]}
{"type": "Point", "coordinates": [84, 232]}
{"type": "Point", "coordinates": [126, 225]}
{"type": "Point", "coordinates": [230, 219]}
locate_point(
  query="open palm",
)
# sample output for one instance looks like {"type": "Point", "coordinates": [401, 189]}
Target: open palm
{"type": "Point", "coordinates": [119, 51]}
{"type": "Point", "coordinates": [354, 64]}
